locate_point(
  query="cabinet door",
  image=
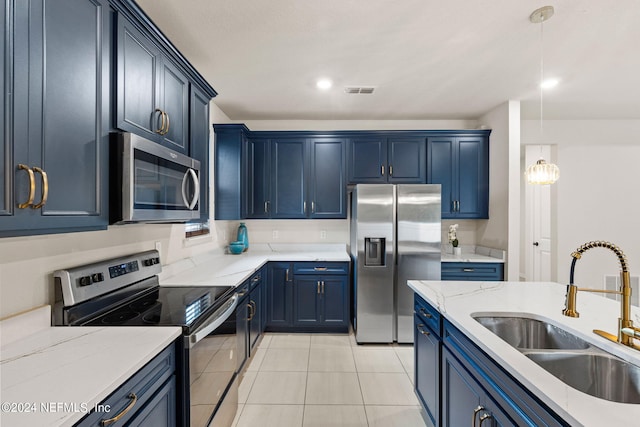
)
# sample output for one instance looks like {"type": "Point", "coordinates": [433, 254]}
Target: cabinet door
{"type": "Point", "coordinates": [440, 170]}
{"type": "Point", "coordinates": [227, 171]}
{"type": "Point", "coordinates": [307, 301]}
{"type": "Point", "coordinates": [473, 177]}
{"type": "Point", "coordinates": [161, 410]}
{"type": "Point", "coordinates": [199, 145]}
{"type": "Point", "coordinates": [258, 179]}
{"type": "Point", "coordinates": [61, 123]}
{"type": "Point", "coordinates": [327, 181]}
{"type": "Point", "coordinates": [279, 295]}
{"type": "Point", "coordinates": [367, 160]}
{"type": "Point", "coordinates": [335, 300]}
{"type": "Point", "coordinates": [139, 62]}
{"type": "Point", "coordinates": [460, 393]}
{"type": "Point", "coordinates": [242, 330]}
{"type": "Point", "coordinates": [6, 136]}
{"type": "Point", "coordinates": [174, 93]}
{"type": "Point", "coordinates": [407, 158]}
{"type": "Point", "coordinates": [288, 190]}
{"type": "Point", "coordinates": [427, 369]}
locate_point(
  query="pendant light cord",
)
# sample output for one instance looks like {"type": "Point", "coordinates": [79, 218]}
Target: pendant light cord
{"type": "Point", "coordinates": [541, 76]}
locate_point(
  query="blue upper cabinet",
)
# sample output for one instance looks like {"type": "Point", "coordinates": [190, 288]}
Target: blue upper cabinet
{"type": "Point", "coordinates": [56, 138]}
{"type": "Point", "coordinates": [257, 174]}
{"type": "Point", "coordinates": [327, 178]}
{"type": "Point", "coordinates": [199, 143]}
{"type": "Point", "coordinates": [383, 158]}
{"type": "Point", "coordinates": [407, 160]}
{"type": "Point", "coordinates": [152, 92]}
{"type": "Point", "coordinates": [367, 160]}
{"type": "Point", "coordinates": [288, 169]}
{"type": "Point", "coordinates": [461, 165]}
{"type": "Point", "coordinates": [228, 169]}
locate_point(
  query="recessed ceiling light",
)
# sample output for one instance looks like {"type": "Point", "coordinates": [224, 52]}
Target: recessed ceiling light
{"type": "Point", "coordinates": [549, 83]}
{"type": "Point", "coordinates": [324, 84]}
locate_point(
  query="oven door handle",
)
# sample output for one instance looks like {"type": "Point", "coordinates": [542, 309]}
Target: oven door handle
{"type": "Point", "coordinates": [217, 319]}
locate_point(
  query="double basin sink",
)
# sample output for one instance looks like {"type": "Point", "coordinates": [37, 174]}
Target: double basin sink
{"type": "Point", "coordinates": [569, 358]}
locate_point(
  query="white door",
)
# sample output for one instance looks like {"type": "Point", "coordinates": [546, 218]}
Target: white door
{"type": "Point", "coordinates": [538, 241]}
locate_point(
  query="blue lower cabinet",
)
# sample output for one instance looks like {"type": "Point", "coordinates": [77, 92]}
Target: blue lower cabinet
{"type": "Point", "coordinates": [152, 388]}
{"type": "Point", "coordinates": [300, 299]}
{"type": "Point", "coordinates": [458, 384]}
{"type": "Point", "coordinates": [478, 271]}
{"type": "Point", "coordinates": [427, 369]}
{"type": "Point", "coordinates": [279, 296]}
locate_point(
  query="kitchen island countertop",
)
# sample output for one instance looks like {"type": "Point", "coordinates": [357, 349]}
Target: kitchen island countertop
{"type": "Point", "coordinates": [458, 301]}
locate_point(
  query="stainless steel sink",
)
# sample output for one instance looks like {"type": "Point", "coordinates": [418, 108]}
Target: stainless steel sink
{"type": "Point", "coordinates": [596, 374]}
{"type": "Point", "coordinates": [569, 358]}
{"type": "Point", "coordinates": [526, 333]}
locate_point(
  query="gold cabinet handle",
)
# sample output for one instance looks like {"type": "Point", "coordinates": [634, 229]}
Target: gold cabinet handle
{"type": "Point", "coordinates": [134, 399]}
{"type": "Point", "coordinates": [425, 314]}
{"type": "Point", "coordinates": [323, 287]}
{"type": "Point", "coordinates": [318, 287]}
{"type": "Point", "coordinates": [420, 328]}
{"type": "Point", "coordinates": [159, 131]}
{"type": "Point", "coordinates": [313, 207]}
{"type": "Point", "coordinates": [475, 414]}
{"type": "Point", "coordinates": [468, 270]}
{"type": "Point", "coordinates": [320, 268]}
{"type": "Point", "coordinates": [251, 310]}
{"type": "Point", "coordinates": [382, 170]}
{"type": "Point", "coordinates": [32, 186]}
{"type": "Point", "coordinates": [166, 130]}
{"type": "Point", "coordinates": [390, 170]}
{"type": "Point", "coordinates": [304, 207]}
{"type": "Point", "coordinates": [286, 275]}
{"type": "Point", "coordinates": [485, 417]}
{"type": "Point", "coordinates": [45, 188]}
{"type": "Point", "coordinates": [266, 207]}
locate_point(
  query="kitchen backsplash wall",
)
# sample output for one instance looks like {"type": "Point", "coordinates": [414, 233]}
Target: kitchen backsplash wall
{"type": "Point", "coordinates": [286, 231]}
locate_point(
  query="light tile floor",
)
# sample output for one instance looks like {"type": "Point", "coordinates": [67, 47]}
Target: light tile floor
{"type": "Point", "coordinates": [322, 380]}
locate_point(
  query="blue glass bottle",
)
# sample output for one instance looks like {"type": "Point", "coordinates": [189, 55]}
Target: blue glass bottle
{"type": "Point", "coordinates": [243, 236]}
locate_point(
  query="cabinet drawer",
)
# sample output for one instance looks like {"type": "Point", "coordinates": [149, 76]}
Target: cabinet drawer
{"type": "Point", "coordinates": [321, 268]}
{"type": "Point", "coordinates": [472, 271]}
{"type": "Point", "coordinates": [427, 314]}
{"type": "Point", "coordinates": [143, 384]}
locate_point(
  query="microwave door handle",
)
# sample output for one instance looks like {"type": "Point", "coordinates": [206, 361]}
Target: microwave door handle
{"type": "Point", "coordinates": [196, 196]}
{"type": "Point", "coordinates": [219, 317]}
{"type": "Point", "coordinates": [196, 191]}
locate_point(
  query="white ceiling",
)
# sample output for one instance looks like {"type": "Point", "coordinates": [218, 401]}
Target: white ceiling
{"type": "Point", "coordinates": [428, 59]}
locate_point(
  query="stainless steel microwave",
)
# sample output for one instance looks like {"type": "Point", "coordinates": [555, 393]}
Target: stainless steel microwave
{"type": "Point", "coordinates": [152, 183]}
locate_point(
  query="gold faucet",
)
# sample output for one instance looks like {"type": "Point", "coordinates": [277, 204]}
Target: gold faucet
{"type": "Point", "coordinates": [624, 321]}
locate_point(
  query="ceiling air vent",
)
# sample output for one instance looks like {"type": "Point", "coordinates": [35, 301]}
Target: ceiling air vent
{"type": "Point", "coordinates": [352, 90]}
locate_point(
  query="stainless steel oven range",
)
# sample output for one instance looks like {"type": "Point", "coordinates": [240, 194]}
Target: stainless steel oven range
{"type": "Point", "coordinates": [125, 291]}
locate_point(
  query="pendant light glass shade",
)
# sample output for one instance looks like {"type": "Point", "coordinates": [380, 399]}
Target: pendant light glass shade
{"type": "Point", "coordinates": [542, 173]}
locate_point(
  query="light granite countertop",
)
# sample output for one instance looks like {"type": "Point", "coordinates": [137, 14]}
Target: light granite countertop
{"type": "Point", "coordinates": [43, 365]}
{"type": "Point", "coordinates": [458, 301]}
{"type": "Point", "coordinates": [220, 269]}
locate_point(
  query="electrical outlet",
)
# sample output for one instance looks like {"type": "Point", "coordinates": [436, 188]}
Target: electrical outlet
{"type": "Point", "coordinates": [323, 234]}
{"type": "Point", "coordinates": [159, 246]}
{"type": "Point", "coordinates": [275, 234]}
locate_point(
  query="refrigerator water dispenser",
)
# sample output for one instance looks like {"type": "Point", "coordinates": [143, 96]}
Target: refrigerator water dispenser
{"type": "Point", "coordinates": [374, 251]}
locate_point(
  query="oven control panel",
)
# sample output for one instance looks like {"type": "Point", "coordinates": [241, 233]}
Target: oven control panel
{"type": "Point", "coordinates": [85, 282]}
{"type": "Point", "coordinates": [122, 269]}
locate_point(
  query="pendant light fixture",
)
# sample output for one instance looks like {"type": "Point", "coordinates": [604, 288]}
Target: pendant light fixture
{"type": "Point", "coordinates": [541, 172]}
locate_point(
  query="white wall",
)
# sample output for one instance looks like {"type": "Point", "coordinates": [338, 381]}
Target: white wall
{"type": "Point", "coordinates": [358, 124]}
{"type": "Point", "coordinates": [504, 187]}
{"type": "Point", "coordinates": [597, 195]}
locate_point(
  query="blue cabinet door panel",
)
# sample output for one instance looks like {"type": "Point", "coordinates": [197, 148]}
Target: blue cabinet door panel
{"type": "Point", "coordinates": [227, 170]}
{"type": "Point", "coordinates": [460, 394]}
{"type": "Point", "coordinates": [327, 179]}
{"type": "Point", "coordinates": [307, 301]}
{"type": "Point", "coordinates": [407, 160]}
{"type": "Point", "coordinates": [440, 154]}
{"type": "Point", "coordinates": [427, 369]}
{"type": "Point", "coordinates": [279, 295]}
{"type": "Point", "coordinates": [175, 102]}
{"type": "Point", "coordinates": [288, 192]}
{"type": "Point", "coordinates": [138, 83]}
{"type": "Point", "coordinates": [473, 173]}
{"type": "Point", "coordinates": [367, 160]}
{"type": "Point", "coordinates": [161, 410]}
{"type": "Point", "coordinates": [258, 184]}
{"type": "Point", "coordinates": [335, 300]}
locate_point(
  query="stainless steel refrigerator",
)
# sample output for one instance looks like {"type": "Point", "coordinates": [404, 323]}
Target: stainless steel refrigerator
{"type": "Point", "coordinates": [395, 237]}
